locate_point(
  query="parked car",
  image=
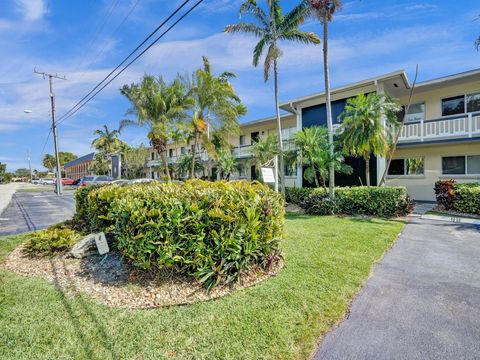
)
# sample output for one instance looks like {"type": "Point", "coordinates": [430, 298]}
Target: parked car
{"type": "Point", "coordinates": [95, 180]}
{"type": "Point", "coordinates": [36, 181]}
{"type": "Point", "coordinates": [67, 181]}
{"type": "Point", "coordinates": [47, 181]}
{"type": "Point", "coordinates": [142, 181]}
{"type": "Point", "coordinates": [121, 182]}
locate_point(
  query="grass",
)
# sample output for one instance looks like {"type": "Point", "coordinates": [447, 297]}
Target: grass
{"type": "Point", "coordinates": [327, 261]}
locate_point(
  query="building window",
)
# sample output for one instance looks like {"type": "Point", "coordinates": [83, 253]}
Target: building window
{"type": "Point", "coordinates": [242, 170]}
{"type": "Point", "coordinates": [170, 153]}
{"type": "Point", "coordinates": [407, 166]}
{"type": "Point", "coordinates": [416, 112]}
{"type": "Point", "coordinates": [461, 165]}
{"type": "Point", "coordinates": [291, 169]}
{"type": "Point", "coordinates": [242, 140]}
{"type": "Point", "coordinates": [287, 133]}
{"type": "Point", "coordinates": [153, 156]}
{"type": "Point", "coordinates": [473, 102]}
{"type": "Point", "coordinates": [183, 150]}
{"type": "Point", "coordinates": [453, 105]}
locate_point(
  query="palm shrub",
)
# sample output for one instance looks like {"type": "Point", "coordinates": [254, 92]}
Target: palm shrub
{"type": "Point", "coordinates": [51, 241]}
{"type": "Point", "coordinates": [366, 125]}
{"type": "Point", "coordinates": [314, 151]}
{"type": "Point", "coordinates": [213, 232]}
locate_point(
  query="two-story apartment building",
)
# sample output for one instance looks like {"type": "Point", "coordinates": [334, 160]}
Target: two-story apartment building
{"type": "Point", "coordinates": [439, 140]}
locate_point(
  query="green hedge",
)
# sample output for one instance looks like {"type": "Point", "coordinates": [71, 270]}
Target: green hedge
{"type": "Point", "coordinates": [385, 201]}
{"type": "Point", "coordinates": [297, 195]}
{"type": "Point", "coordinates": [467, 198]}
{"type": "Point", "coordinates": [211, 231]}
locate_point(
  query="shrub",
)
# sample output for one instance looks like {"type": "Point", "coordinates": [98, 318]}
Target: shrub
{"type": "Point", "coordinates": [444, 192]}
{"type": "Point", "coordinates": [53, 240]}
{"type": "Point", "coordinates": [361, 200]}
{"type": "Point", "coordinates": [297, 195]}
{"type": "Point", "coordinates": [467, 198]}
{"type": "Point", "coordinates": [211, 231]}
{"type": "Point", "coordinates": [319, 203]}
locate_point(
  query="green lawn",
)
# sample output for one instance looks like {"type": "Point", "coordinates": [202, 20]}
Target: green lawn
{"type": "Point", "coordinates": [327, 261]}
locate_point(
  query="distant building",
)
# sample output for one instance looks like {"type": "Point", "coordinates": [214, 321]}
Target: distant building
{"type": "Point", "coordinates": [79, 167]}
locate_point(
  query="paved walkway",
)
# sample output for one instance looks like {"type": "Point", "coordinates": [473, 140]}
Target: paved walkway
{"type": "Point", "coordinates": [30, 211]}
{"type": "Point", "coordinates": [421, 302]}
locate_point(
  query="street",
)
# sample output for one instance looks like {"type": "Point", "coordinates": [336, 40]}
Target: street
{"type": "Point", "coordinates": [28, 211]}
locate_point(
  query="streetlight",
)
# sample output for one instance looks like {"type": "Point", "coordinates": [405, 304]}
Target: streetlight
{"type": "Point", "coordinates": [27, 111]}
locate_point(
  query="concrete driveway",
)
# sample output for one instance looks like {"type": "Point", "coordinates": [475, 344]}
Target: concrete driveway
{"type": "Point", "coordinates": [28, 211]}
{"type": "Point", "coordinates": [421, 302]}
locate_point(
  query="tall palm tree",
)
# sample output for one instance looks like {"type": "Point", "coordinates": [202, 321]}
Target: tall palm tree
{"type": "Point", "coordinates": [217, 107]}
{"type": "Point", "coordinates": [157, 105]}
{"type": "Point", "coordinates": [363, 130]}
{"type": "Point", "coordinates": [323, 10]}
{"type": "Point", "coordinates": [271, 27]}
{"type": "Point", "coordinates": [106, 141]}
{"type": "Point", "coordinates": [177, 136]}
{"type": "Point", "coordinates": [264, 150]}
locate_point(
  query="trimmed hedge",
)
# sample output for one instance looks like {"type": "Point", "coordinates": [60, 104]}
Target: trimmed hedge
{"type": "Point", "coordinates": [464, 198]}
{"type": "Point", "coordinates": [213, 231]}
{"type": "Point", "coordinates": [297, 195]}
{"type": "Point", "coordinates": [467, 198]}
{"type": "Point", "coordinates": [385, 201]}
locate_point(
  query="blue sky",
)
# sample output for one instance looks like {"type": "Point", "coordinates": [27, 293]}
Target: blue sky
{"type": "Point", "coordinates": [78, 39]}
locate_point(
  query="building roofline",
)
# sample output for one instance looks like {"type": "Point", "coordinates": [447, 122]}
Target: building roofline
{"type": "Point", "coordinates": [79, 160]}
{"type": "Point", "coordinates": [266, 119]}
{"type": "Point", "coordinates": [287, 104]}
{"type": "Point", "coordinates": [446, 78]}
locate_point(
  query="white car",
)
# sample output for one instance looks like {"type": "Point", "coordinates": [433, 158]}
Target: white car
{"type": "Point", "coordinates": [142, 181]}
{"type": "Point", "coordinates": [47, 181]}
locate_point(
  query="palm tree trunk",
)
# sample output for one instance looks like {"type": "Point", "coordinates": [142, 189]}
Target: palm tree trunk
{"type": "Point", "coordinates": [194, 153]}
{"type": "Point", "coordinates": [165, 162]}
{"type": "Point", "coordinates": [331, 182]}
{"type": "Point", "coordinates": [367, 169]}
{"type": "Point", "coordinates": [281, 173]}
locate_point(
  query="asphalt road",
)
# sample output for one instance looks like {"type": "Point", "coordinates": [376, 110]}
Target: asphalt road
{"type": "Point", "coordinates": [421, 302]}
{"type": "Point", "coordinates": [28, 211]}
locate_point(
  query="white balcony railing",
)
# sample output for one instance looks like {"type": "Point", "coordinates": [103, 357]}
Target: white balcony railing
{"type": "Point", "coordinates": [450, 127]}
{"type": "Point", "coordinates": [245, 151]}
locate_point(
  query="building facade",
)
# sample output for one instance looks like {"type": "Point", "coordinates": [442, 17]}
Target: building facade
{"type": "Point", "coordinates": [440, 138]}
{"type": "Point", "coordinates": [79, 167]}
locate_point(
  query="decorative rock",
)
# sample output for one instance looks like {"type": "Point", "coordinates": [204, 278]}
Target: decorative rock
{"type": "Point", "coordinates": [84, 247]}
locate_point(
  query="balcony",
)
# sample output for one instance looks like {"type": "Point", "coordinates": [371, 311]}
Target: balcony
{"type": "Point", "coordinates": [245, 151]}
{"type": "Point", "coordinates": [173, 159]}
{"type": "Point", "coordinates": [457, 127]}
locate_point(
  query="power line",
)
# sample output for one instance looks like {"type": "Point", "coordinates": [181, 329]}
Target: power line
{"type": "Point", "coordinates": [45, 144]}
{"type": "Point", "coordinates": [135, 59]}
{"type": "Point", "coordinates": [67, 114]}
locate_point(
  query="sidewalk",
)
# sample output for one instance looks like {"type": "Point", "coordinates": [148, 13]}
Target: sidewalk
{"type": "Point", "coordinates": [421, 302]}
{"type": "Point", "coordinates": [6, 193]}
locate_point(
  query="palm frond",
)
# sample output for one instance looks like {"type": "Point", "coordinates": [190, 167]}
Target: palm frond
{"type": "Point", "coordinates": [251, 7]}
{"type": "Point", "coordinates": [246, 28]}
{"type": "Point", "coordinates": [301, 37]}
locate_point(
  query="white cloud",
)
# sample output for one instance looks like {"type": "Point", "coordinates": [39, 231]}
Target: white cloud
{"type": "Point", "coordinates": [32, 9]}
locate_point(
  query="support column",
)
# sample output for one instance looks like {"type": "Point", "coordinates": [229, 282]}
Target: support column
{"type": "Point", "coordinates": [381, 161]}
{"type": "Point", "coordinates": [299, 178]}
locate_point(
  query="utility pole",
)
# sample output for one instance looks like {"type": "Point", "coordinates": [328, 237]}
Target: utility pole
{"type": "Point", "coordinates": [29, 164]}
{"type": "Point", "coordinates": [54, 126]}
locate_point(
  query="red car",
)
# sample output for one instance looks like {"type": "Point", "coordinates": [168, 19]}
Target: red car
{"type": "Point", "coordinates": [67, 181]}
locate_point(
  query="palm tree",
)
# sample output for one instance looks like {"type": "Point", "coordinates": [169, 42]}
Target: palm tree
{"type": "Point", "coordinates": [314, 151]}
{"type": "Point", "coordinates": [323, 10]}
{"type": "Point", "coordinates": [177, 136]}
{"type": "Point", "coordinates": [49, 162]}
{"type": "Point", "coordinates": [271, 29]}
{"type": "Point", "coordinates": [106, 141]}
{"type": "Point", "coordinates": [217, 107]}
{"type": "Point", "coordinates": [226, 163]}
{"type": "Point", "coordinates": [157, 105]}
{"type": "Point", "coordinates": [364, 131]}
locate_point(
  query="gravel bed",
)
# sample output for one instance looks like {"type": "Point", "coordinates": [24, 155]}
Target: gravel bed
{"type": "Point", "coordinates": [114, 283]}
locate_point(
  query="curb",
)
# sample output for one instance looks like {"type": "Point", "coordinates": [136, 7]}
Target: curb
{"type": "Point", "coordinates": [454, 219]}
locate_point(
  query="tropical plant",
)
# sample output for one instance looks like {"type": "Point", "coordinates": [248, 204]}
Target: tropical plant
{"type": "Point", "coordinates": [270, 27]}
{"type": "Point", "coordinates": [314, 152]}
{"type": "Point", "coordinates": [177, 136]}
{"type": "Point", "coordinates": [183, 166]}
{"type": "Point", "coordinates": [99, 165]}
{"type": "Point", "coordinates": [217, 107]}
{"type": "Point", "coordinates": [49, 162]}
{"type": "Point", "coordinates": [158, 106]}
{"type": "Point", "coordinates": [226, 163]}
{"type": "Point", "coordinates": [106, 141]}
{"type": "Point", "coordinates": [366, 125]}
{"type": "Point", "coordinates": [264, 150]}
{"type": "Point", "coordinates": [134, 160]}
{"type": "Point", "coordinates": [324, 10]}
